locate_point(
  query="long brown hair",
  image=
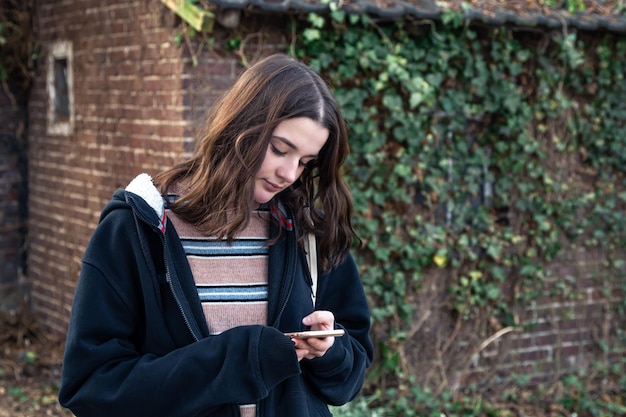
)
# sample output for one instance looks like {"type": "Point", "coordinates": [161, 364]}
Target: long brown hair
{"type": "Point", "coordinates": [219, 178]}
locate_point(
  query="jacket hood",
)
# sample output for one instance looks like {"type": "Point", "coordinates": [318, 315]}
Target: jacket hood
{"type": "Point", "coordinates": [144, 199]}
{"type": "Point", "coordinates": [152, 206]}
{"type": "Point", "coordinates": [143, 187]}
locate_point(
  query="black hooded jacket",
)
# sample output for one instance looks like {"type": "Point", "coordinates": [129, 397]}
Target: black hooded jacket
{"type": "Point", "coordinates": [138, 343]}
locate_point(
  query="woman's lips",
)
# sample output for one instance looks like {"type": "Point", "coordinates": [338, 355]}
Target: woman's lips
{"type": "Point", "coordinates": [272, 187]}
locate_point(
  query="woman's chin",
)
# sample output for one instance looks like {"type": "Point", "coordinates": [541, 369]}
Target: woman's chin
{"type": "Point", "coordinates": [260, 200]}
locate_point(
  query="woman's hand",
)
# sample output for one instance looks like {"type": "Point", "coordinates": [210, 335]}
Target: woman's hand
{"type": "Point", "coordinates": [315, 347]}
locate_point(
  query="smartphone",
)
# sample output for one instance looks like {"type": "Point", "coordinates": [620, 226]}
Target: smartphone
{"type": "Point", "coordinates": [315, 333]}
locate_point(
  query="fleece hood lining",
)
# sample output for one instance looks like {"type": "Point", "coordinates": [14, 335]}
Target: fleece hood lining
{"type": "Point", "coordinates": [143, 186]}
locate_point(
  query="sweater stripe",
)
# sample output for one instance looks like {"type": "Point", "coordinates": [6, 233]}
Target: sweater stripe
{"type": "Point", "coordinates": [235, 294]}
{"type": "Point", "coordinates": [245, 248]}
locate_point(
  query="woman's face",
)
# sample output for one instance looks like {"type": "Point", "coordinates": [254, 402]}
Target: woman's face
{"type": "Point", "coordinates": [294, 143]}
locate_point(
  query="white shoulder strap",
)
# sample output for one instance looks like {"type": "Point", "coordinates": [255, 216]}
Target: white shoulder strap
{"type": "Point", "coordinates": [311, 256]}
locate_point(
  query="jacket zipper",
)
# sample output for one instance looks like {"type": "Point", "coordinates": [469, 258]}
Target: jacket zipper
{"type": "Point", "coordinates": [291, 283]}
{"type": "Point", "coordinates": [282, 309]}
{"type": "Point", "coordinates": [168, 276]}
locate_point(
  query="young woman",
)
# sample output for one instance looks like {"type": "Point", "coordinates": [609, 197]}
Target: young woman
{"type": "Point", "coordinates": [191, 281]}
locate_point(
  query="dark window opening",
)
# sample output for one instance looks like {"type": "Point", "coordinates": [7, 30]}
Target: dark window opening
{"type": "Point", "coordinates": [61, 96]}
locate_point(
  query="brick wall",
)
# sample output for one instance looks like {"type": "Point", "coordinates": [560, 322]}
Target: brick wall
{"type": "Point", "coordinates": [571, 322]}
{"type": "Point", "coordinates": [567, 328]}
{"type": "Point", "coordinates": [129, 118]}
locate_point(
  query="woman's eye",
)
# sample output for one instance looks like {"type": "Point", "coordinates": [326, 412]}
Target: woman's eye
{"type": "Point", "coordinates": [307, 164]}
{"type": "Point", "coordinates": [278, 151]}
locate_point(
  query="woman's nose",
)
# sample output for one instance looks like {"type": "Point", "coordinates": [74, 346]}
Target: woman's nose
{"type": "Point", "coordinates": [289, 171]}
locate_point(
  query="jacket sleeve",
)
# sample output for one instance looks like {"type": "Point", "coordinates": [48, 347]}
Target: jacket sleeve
{"type": "Point", "coordinates": [107, 372]}
{"type": "Point", "coordinates": [339, 375]}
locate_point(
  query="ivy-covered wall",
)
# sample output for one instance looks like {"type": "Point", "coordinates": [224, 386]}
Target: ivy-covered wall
{"type": "Point", "coordinates": [488, 171]}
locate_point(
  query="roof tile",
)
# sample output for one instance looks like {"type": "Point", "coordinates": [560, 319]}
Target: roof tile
{"type": "Point", "coordinates": [523, 13]}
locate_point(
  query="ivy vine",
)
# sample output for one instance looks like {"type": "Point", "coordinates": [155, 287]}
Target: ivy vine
{"type": "Point", "coordinates": [480, 151]}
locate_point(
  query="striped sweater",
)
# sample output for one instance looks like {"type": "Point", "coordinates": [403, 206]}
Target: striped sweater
{"type": "Point", "coordinates": [231, 279]}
